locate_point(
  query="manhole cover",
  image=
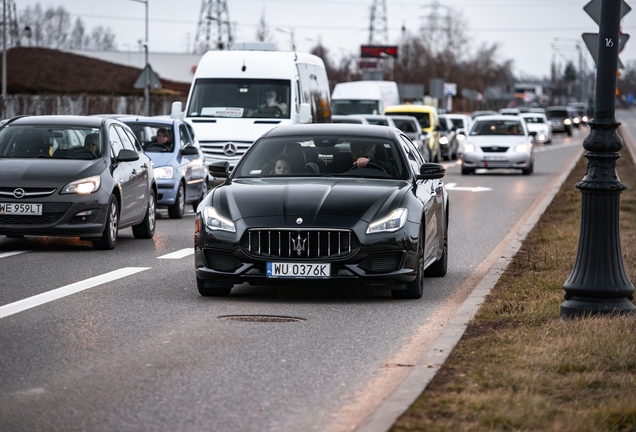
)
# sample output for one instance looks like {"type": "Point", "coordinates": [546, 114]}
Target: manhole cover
{"type": "Point", "coordinates": [261, 318]}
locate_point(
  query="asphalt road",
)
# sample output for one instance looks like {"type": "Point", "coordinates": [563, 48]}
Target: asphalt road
{"type": "Point", "coordinates": [145, 352]}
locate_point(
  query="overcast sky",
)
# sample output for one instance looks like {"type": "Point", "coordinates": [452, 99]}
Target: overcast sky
{"type": "Point", "coordinates": [525, 29]}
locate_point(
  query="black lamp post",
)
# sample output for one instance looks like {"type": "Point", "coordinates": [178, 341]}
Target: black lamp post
{"type": "Point", "coordinates": [598, 283]}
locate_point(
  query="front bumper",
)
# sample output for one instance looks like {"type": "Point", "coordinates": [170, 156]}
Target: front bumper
{"type": "Point", "coordinates": [508, 159]}
{"type": "Point", "coordinates": [167, 192]}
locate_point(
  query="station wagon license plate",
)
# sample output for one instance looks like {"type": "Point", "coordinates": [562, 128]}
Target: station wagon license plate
{"type": "Point", "coordinates": [495, 158]}
{"type": "Point", "coordinates": [21, 209]}
{"type": "Point", "coordinates": [298, 271]}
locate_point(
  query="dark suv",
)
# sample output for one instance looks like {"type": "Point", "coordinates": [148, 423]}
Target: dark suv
{"type": "Point", "coordinates": [559, 117]}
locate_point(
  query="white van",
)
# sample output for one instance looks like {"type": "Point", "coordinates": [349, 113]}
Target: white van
{"type": "Point", "coordinates": [238, 95]}
{"type": "Point", "coordinates": [364, 97]}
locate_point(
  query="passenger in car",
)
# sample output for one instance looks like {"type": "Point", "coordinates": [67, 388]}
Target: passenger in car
{"type": "Point", "coordinates": [282, 165]}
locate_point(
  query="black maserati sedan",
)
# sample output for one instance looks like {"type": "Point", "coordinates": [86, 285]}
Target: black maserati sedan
{"type": "Point", "coordinates": [322, 204]}
{"type": "Point", "coordinates": [74, 176]}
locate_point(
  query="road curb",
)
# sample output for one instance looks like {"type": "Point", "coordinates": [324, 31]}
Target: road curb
{"type": "Point", "coordinates": [434, 357]}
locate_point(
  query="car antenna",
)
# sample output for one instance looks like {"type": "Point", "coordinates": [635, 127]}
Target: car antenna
{"type": "Point", "coordinates": [243, 68]}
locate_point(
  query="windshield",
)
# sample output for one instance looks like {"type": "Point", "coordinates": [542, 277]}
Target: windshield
{"type": "Point", "coordinates": [50, 141]}
{"type": "Point", "coordinates": [406, 126]}
{"type": "Point", "coordinates": [240, 98]}
{"type": "Point", "coordinates": [458, 122]}
{"type": "Point", "coordinates": [346, 107]}
{"type": "Point", "coordinates": [559, 113]}
{"type": "Point", "coordinates": [318, 156]}
{"type": "Point", "coordinates": [497, 127]}
{"type": "Point", "coordinates": [423, 118]}
{"type": "Point", "coordinates": [154, 137]}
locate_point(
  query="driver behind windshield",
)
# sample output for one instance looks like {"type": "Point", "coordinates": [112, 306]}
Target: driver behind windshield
{"type": "Point", "coordinates": [363, 155]}
{"type": "Point", "coordinates": [272, 100]}
{"type": "Point", "coordinates": [163, 137]}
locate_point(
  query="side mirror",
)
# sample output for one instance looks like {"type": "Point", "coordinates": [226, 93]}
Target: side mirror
{"type": "Point", "coordinates": [304, 115]}
{"type": "Point", "coordinates": [430, 171]}
{"type": "Point", "coordinates": [219, 169]}
{"type": "Point", "coordinates": [126, 155]}
{"type": "Point", "coordinates": [438, 128]}
{"type": "Point", "coordinates": [532, 133]}
{"type": "Point", "coordinates": [189, 151]}
{"type": "Point", "coordinates": [176, 111]}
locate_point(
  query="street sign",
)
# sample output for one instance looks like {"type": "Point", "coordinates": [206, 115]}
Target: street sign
{"type": "Point", "coordinates": [593, 9]}
{"type": "Point", "coordinates": [152, 80]}
{"type": "Point", "coordinates": [591, 41]}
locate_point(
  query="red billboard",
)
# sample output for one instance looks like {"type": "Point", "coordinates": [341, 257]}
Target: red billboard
{"type": "Point", "coordinates": [378, 51]}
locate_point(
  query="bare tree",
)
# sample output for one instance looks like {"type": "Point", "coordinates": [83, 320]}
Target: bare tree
{"type": "Point", "coordinates": [78, 40]}
{"type": "Point", "coordinates": [102, 39]}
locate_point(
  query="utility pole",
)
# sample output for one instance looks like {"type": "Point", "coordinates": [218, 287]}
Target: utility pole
{"type": "Point", "coordinates": [378, 25]}
{"type": "Point", "coordinates": [218, 11]}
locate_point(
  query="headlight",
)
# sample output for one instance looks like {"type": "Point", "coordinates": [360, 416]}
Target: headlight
{"type": "Point", "coordinates": [576, 120]}
{"type": "Point", "coordinates": [443, 140]}
{"type": "Point", "coordinates": [469, 148]}
{"type": "Point", "coordinates": [214, 221]}
{"type": "Point", "coordinates": [522, 148]}
{"type": "Point", "coordinates": [567, 121]}
{"type": "Point", "coordinates": [84, 186]}
{"type": "Point", "coordinates": [584, 119]}
{"type": "Point", "coordinates": [164, 172]}
{"type": "Point", "coordinates": [391, 223]}
{"type": "Point", "coordinates": [461, 137]}
{"type": "Point", "coordinates": [542, 137]}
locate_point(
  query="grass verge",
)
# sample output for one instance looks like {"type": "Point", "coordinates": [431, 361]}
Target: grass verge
{"type": "Point", "coordinates": [518, 366]}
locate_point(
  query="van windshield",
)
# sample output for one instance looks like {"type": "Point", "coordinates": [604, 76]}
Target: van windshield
{"type": "Point", "coordinates": [346, 106]}
{"type": "Point", "coordinates": [240, 98]}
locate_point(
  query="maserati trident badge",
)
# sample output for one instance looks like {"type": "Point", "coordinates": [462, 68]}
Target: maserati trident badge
{"type": "Point", "coordinates": [299, 244]}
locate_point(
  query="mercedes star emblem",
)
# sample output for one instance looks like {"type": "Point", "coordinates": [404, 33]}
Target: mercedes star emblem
{"type": "Point", "coordinates": [229, 149]}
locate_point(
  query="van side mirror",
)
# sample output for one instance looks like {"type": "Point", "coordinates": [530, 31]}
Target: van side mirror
{"type": "Point", "coordinates": [176, 111]}
{"type": "Point", "coordinates": [304, 115]}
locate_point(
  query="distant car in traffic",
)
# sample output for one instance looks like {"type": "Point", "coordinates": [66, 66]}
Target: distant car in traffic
{"type": "Point", "coordinates": [350, 119]}
{"type": "Point", "coordinates": [581, 109]}
{"type": "Point", "coordinates": [559, 117]}
{"type": "Point", "coordinates": [509, 111]}
{"type": "Point", "coordinates": [448, 142]}
{"type": "Point", "coordinates": [411, 128]}
{"type": "Point", "coordinates": [179, 163]}
{"type": "Point", "coordinates": [428, 118]}
{"type": "Point", "coordinates": [462, 122]}
{"type": "Point", "coordinates": [380, 224]}
{"type": "Point", "coordinates": [74, 176]}
{"type": "Point", "coordinates": [498, 142]}
{"type": "Point", "coordinates": [480, 113]}
{"type": "Point", "coordinates": [377, 119]}
{"type": "Point", "coordinates": [537, 122]}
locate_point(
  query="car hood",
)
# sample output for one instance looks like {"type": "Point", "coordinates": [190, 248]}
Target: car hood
{"type": "Point", "coordinates": [497, 141]}
{"type": "Point", "coordinates": [315, 200]}
{"type": "Point", "coordinates": [43, 172]}
{"type": "Point", "coordinates": [160, 159]}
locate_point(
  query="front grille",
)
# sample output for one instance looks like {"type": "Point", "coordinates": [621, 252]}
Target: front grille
{"type": "Point", "coordinates": [45, 219]}
{"type": "Point", "coordinates": [28, 192]}
{"type": "Point", "coordinates": [382, 263]}
{"type": "Point", "coordinates": [493, 149]}
{"type": "Point", "coordinates": [215, 149]}
{"type": "Point", "coordinates": [220, 261]}
{"type": "Point", "coordinates": [299, 244]}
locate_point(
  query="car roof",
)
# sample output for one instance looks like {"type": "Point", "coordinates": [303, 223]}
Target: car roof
{"type": "Point", "coordinates": [75, 120]}
{"type": "Point", "coordinates": [143, 119]}
{"type": "Point", "coordinates": [495, 117]}
{"type": "Point", "coordinates": [531, 114]}
{"type": "Point", "coordinates": [349, 129]}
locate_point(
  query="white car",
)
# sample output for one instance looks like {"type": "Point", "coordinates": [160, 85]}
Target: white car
{"type": "Point", "coordinates": [498, 141]}
{"type": "Point", "coordinates": [462, 122]}
{"type": "Point", "coordinates": [538, 123]}
{"type": "Point", "coordinates": [377, 119]}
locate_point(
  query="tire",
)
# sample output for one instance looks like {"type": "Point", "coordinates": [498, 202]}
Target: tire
{"type": "Point", "coordinates": [204, 192]}
{"type": "Point", "coordinates": [466, 171]}
{"type": "Point", "coordinates": [108, 240]}
{"type": "Point", "coordinates": [440, 267]}
{"type": "Point", "coordinates": [146, 229]}
{"type": "Point", "coordinates": [529, 170]}
{"type": "Point", "coordinates": [176, 210]}
{"type": "Point", "coordinates": [570, 132]}
{"type": "Point", "coordinates": [212, 291]}
{"type": "Point", "coordinates": [414, 289]}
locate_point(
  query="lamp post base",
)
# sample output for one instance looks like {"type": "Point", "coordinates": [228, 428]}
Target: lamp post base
{"type": "Point", "coordinates": [588, 307]}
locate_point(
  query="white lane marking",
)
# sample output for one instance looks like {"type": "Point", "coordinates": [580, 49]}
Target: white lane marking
{"type": "Point", "coordinates": [453, 186]}
{"type": "Point", "coordinates": [58, 293]}
{"type": "Point", "coordinates": [8, 254]}
{"type": "Point", "coordinates": [178, 254]}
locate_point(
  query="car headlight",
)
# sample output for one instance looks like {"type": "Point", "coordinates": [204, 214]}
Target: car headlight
{"type": "Point", "coordinates": [391, 223]}
{"type": "Point", "coordinates": [522, 148]}
{"type": "Point", "coordinates": [83, 186]}
{"type": "Point", "coordinates": [461, 137]}
{"type": "Point", "coordinates": [542, 137]}
{"type": "Point", "coordinates": [567, 121]}
{"type": "Point", "coordinates": [584, 119]}
{"type": "Point", "coordinates": [164, 172]}
{"type": "Point", "coordinates": [443, 140]}
{"type": "Point", "coordinates": [214, 221]}
{"type": "Point", "coordinates": [576, 120]}
{"type": "Point", "coordinates": [469, 148]}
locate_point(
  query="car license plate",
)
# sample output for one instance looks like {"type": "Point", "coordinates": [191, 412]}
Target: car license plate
{"type": "Point", "coordinates": [298, 271]}
{"type": "Point", "coordinates": [20, 209]}
{"type": "Point", "coordinates": [495, 158]}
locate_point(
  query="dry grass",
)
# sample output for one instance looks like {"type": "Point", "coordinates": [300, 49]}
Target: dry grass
{"type": "Point", "coordinates": [518, 366]}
